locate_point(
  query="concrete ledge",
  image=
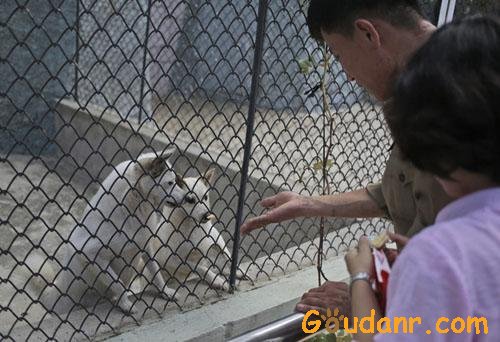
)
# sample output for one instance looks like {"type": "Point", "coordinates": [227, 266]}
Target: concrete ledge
{"type": "Point", "coordinates": [240, 313]}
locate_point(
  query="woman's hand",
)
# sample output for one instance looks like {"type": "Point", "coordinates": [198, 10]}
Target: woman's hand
{"type": "Point", "coordinates": [360, 259]}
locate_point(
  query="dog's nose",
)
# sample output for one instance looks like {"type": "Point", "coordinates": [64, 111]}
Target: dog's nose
{"type": "Point", "coordinates": [190, 199]}
{"type": "Point", "coordinates": [207, 217]}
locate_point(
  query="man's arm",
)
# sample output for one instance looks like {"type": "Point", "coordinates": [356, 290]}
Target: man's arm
{"type": "Point", "coordinates": [289, 205]}
{"type": "Point", "coordinates": [354, 204]}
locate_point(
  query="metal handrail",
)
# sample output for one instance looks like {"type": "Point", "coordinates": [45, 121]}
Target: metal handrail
{"type": "Point", "coordinates": [285, 329]}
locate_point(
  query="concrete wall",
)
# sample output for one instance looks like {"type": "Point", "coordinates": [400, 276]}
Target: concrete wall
{"type": "Point", "coordinates": [111, 55]}
{"type": "Point", "coordinates": [217, 48]}
{"type": "Point", "coordinates": [36, 54]}
{"type": "Point", "coordinates": [470, 7]}
{"type": "Point", "coordinates": [200, 49]}
{"type": "Point", "coordinates": [205, 49]}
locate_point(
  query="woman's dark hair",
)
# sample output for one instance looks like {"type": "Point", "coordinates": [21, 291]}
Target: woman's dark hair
{"type": "Point", "coordinates": [339, 15]}
{"type": "Point", "coordinates": [445, 110]}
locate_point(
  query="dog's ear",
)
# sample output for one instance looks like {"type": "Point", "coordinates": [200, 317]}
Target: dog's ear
{"type": "Point", "coordinates": [209, 176]}
{"type": "Point", "coordinates": [155, 166]}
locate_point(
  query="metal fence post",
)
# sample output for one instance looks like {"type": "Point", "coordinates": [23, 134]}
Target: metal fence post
{"type": "Point", "coordinates": [77, 47]}
{"type": "Point", "coordinates": [144, 59]}
{"type": "Point", "coordinates": [446, 12]}
{"type": "Point", "coordinates": [257, 62]}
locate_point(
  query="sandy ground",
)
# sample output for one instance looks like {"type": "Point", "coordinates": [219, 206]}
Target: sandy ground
{"type": "Point", "coordinates": [38, 209]}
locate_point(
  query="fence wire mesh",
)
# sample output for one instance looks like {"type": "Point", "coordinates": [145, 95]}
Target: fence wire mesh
{"type": "Point", "coordinates": [97, 230]}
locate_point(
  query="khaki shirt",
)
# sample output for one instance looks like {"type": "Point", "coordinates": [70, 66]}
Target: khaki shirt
{"type": "Point", "coordinates": [409, 197]}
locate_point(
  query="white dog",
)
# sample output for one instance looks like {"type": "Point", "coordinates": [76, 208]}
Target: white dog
{"type": "Point", "coordinates": [116, 230]}
{"type": "Point", "coordinates": [187, 237]}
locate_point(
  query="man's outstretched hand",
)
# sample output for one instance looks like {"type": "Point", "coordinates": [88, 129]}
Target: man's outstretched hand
{"type": "Point", "coordinates": [282, 206]}
{"type": "Point", "coordinates": [331, 295]}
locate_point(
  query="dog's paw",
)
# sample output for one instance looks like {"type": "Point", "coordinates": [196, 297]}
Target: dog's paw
{"type": "Point", "coordinates": [170, 294]}
{"type": "Point", "coordinates": [126, 305]}
{"type": "Point", "coordinates": [220, 283]}
{"type": "Point", "coordinates": [240, 275]}
{"type": "Point", "coordinates": [166, 292]}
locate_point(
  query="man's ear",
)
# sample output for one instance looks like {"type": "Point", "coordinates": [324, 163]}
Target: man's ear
{"type": "Point", "coordinates": [209, 175]}
{"type": "Point", "coordinates": [366, 33]}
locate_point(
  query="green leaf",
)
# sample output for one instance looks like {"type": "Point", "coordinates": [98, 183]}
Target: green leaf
{"type": "Point", "coordinates": [305, 66]}
{"type": "Point", "coordinates": [318, 166]}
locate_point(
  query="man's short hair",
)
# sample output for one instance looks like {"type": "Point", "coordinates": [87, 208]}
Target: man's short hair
{"type": "Point", "coordinates": [339, 15]}
{"type": "Point", "coordinates": [445, 110]}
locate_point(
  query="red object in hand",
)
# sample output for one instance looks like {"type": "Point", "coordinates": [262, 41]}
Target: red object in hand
{"type": "Point", "coordinates": [382, 271]}
{"type": "Point", "coordinates": [391, 255]}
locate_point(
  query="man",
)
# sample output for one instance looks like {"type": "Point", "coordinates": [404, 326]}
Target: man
{"type": "Point", "coordinates": [372, 40]}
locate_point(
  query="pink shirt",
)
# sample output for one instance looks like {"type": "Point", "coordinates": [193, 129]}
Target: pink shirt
{"type": "Point", "coordinates": [451, 269]}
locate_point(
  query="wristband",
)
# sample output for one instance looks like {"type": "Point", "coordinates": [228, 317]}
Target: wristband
{"type": "Point", "coordinates": [360, 276]}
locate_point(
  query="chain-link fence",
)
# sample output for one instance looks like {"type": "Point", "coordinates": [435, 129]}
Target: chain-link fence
{"type": "Point", "coordinates": [97, 230]}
